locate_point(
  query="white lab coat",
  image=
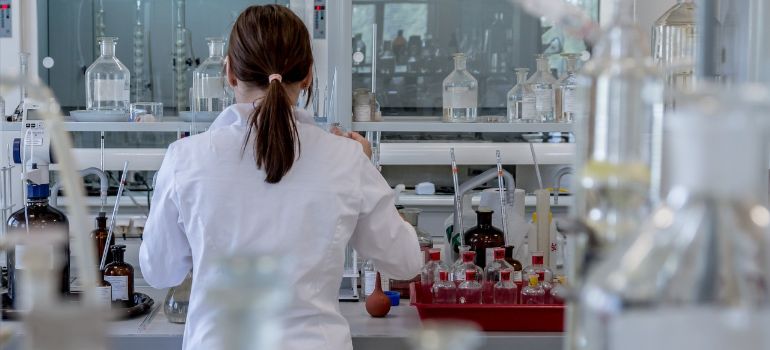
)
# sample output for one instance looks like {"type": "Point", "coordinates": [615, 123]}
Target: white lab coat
{"type": "Point", "coordinates": [211, 202]}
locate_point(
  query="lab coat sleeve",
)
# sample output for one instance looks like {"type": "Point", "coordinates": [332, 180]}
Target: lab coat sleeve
{"type": "Point", "coordinates": [165, 255]}
{"type": "Point", "coordinates": [381, 234]}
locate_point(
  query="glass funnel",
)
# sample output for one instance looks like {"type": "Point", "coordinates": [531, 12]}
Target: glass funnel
{"type": "Point", "coordinates": [521, 99]}
{"type": "Point", "coordinates": [461, 91]}
{"type": "Point", "coordinates": [209, 92]}
{"type": "Point", "coordinates": [178, 300]}
{"type": "Point", "coordinates": [700, 263]}
{"type": "Point", "coordinates": [568, 101]}
{"type": "Point", "coordinates": [674, 44]}
{"type": "Point", "coordinates": [108, 81]}
{"type": "Point", "coordinates": [543, 83]}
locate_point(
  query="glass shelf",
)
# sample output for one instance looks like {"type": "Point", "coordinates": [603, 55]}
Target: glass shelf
{"type": "Point", "coordinates": [433, 124]}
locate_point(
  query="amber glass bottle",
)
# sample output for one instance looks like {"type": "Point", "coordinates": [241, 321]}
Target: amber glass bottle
{"type": "Point", "coordinates": [121, 276]}
{"type": "Point", "coordinates": [484, 237]}
{"type": "Point", "coordinates": [40, 217]}
{"type": "Point", "coordinates": [99, 236]}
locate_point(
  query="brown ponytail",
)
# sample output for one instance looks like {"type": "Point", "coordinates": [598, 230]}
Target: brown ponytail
{"type": "Point", "coordinates": [271, 40]}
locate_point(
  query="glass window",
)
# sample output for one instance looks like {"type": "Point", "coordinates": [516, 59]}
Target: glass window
{"type": "Point", "coordinates": [363, 17]}
{"type": "Point", "coordinates": [404, 22]}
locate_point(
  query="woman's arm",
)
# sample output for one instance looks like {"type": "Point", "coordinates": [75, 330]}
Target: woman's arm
{"type": "Point", "coordinates": [381, 234]}
{"type": "Point", "coordinates": [165, 256]}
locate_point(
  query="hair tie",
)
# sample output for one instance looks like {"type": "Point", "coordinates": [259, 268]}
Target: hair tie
{"type": "Point", "coordinates": [275, 77]}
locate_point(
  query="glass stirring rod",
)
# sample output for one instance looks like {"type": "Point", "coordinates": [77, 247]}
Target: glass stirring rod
{"type": "Point", "coordinates": [501, 189]}
{"type": "Point", "coordinates": [458, 200]}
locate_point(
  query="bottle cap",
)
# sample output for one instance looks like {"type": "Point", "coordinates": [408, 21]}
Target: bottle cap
{"type": "Point", "coordinates": [35, 191]}
{"type": "Point", "coordinates": [541, 275]}
{"type": "Point", "coordinates": [470, 275]}
{"type": "Point", "coordinates": [499, 253]}
{"type": "Point", "coordinates": [118, 247]}
{"type": "Point", "coordinates": [443, 275]}
{"type": "Point", "coordinates": [435, 254]}
{"type": "Point", "coordinates": [537, 258]}
{"type": "Point", "coordinates": [469, 256]}
{"type": "Point", "coordinates": [505, 275]}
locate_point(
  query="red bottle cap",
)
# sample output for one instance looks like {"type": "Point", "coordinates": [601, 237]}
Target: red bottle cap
{"type": "Point", "coordinates": [435, 255]}
{"type": "Point", "coordinates": [541, 275]}
{"type": "Point", "coordinates": [443, 275]}
{"type": "Point", "coordinates": [499, 253]}
{"type": "Point", "coordinates": [469, 256]}
{"type": "Point", "coordinates": [470, 275]}
{"type": "Point", "coordinates": [537, 258]}
{"type": "Point", "coordinates": [505, 275]}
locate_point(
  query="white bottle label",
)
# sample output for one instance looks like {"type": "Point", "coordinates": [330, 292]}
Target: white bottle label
{"type": "Point", "coordinates": [673, 329]}
{"type": "Point", "coordinates": [528, 110]}
{"type": "Point", "coordinates": [119, 287]}
{"type": "Point", "coordinates": [370, 278]}
{"type": "Point", "coordinates": [516, 276]}
{"type": "Point", "coordinates": [104, 295]}
{"type": "Point", "coordinates": [543, 99]}
{"type": "Point", "coordinates": [110, 90]}
{"type": "Point", "coordinates": [362, 113]}
{"type": "Point", "coordinates": [570, 101]}
{"type": "Point", "coordinates": [490, 255]}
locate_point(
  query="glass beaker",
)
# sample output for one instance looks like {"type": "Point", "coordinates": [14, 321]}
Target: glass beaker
{"type": "Point", "coordinates": [674, 44]}
{"type": "Point", "coordinates": [178, 300]}
{"type": "Point", "coordinates": [461, 94]}
{"type": "Point", "coordinates": [543, 83]}
{"type": "Point", "coordinates": [145, 112]}
{"type": "Point", "coordinates": [521, 99]}
{"type": "Point", "coordinates": [209, 91]}
{"type": "Point", "coordinates": [108, 81]}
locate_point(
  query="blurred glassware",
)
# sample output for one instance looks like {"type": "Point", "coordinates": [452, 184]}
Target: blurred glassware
{"type": "Point", "coordinates": [674, 44]}
{"type": "Point", "coordinates": [178, 300]}
{"type": "Point", "coordinates": [521, 99]}
{"type": "Point", "coordinates": [146, 112]}
{"type": "Point", "coordinates": [543, 84]}
{"type": "Point", "coordinates": [108, 81]}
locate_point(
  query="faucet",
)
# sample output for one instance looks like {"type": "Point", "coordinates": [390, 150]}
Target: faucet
{"type": "Point", "coordinates": [557, 182]}
{"type": "Point", "coordinates": [103, 185]}
{"type": "Point", "coordinates": [510, 187]}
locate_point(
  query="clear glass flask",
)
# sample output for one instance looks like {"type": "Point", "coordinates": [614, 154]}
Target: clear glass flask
{"type": "Point", "coordinates": [178, 300]}
{"type": "Point", "coordinates": [209, 90]}
{"type": "Point", "coordinates": [521, 99]}
{"type": "Point", "coordinates": [505, 291]}
{"type": "Point", "coordinates": [429, 274]}
{"type": "Point", "coordinates": [459, 271]}
{"type": "Point", "coordinates": [543, 84]}
{"type": "Point", "coordinates": [568, 100]}
{"type": "Point", "coordinates": [700, 263]}
{"type": "Point", "coordinates": [674, 44]}
{"type": "Point", "coordinates": [444, 291]}
{"type": "Point", "coordinates": [469, 291]}
{"type": "Point", "coordinates": [461, 94]}
{"type": "Point", "coordinates": [492, 273]}
{"type": "Point", "coordinates": [533, 293]}
{"type": "Point", "coordinates": [108, 81]}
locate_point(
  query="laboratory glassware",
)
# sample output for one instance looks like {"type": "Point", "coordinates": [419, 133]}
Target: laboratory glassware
{"type": "Point", "coordinates": [517, 266]}
{"type": "Point", "coordinates": [543, 84]}
{"type": "Point", "coordinates": [140, 88]}
{"type": "Point", "coordinates": [121, 276]}
{"type": "Point", "coordinates": [504, 291]}
{"type": "Point", "coordinates": [37, 216]}
{"type": "Point", "coordinates": [145, 112]}
{"type": "Point", "coordinates": [492, 273]}
{"type": "Point", "coordinates": [538, 267]}
{"type": "Point", "coordinates": [559, 291]}
{"type": "Point", "coordinates": [484, 237]}
{"type": "Point", "coordinates": [444, 291]}
{"type": "Point", "coordinates": [178, 301]}
{"type": "Point", "coordinates": [430, 272]}
{"type": "Point", "coordinates": [521, 99]}
{"type": "Point", "coordinates": [103, 291]}
{"type": "Point", "coordinates": [459, 272]}
{"type": "Point", "coordinates": [459, 261]}
{"type": "Point", "coordinates": [533, 293]}
{"type": "Point", "coordinates": [568, 101]}
{"type": "Point", "coordinates": [469, 291]}
{"type": "Point", "coordinates": [209, 92]}
{"type": "Point", "coordinates": [370, 276]}
{"type": "Point", "coordinates": [460, 96]}
{"type": "Point", "coordinates": [411, 215]}
{"type": "Point", "coordinates": [674, 44]}
{"type": "Point", "coordinates": [99, 235]}
{"type": "Point", "coordinates": [108, 81]}
{"type": "Point", "coordinates": [701, 258]}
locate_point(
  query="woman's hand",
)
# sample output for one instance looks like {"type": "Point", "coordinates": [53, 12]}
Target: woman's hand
{"type": "Point", "coordinates": [355, 137]}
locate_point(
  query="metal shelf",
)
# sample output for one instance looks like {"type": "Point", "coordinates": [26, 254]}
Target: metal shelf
{"type": "Point", "coordinates": [434, 124]}
{"type": "Point", "coordinates": [169, 124]}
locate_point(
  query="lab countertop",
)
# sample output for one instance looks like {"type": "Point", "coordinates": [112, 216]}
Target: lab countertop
{"type": "Point", "coordinates": [153, 331]}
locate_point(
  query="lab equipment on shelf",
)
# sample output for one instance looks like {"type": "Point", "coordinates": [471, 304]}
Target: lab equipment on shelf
{"type": "Point", "coordinates": [146, 112]}
{"type": "Point", "coordinates": [460, 93]}
{"type": "Point", "coordinates": [209, 90]}
{"type": "Point", "coordinates": [505, 290]}
{"type": "Point", "coordinates": [533, 293]}
{"type": "Point", "coordinates": [108, 81]}
{"type": "Point", "coordinates": [492, 274]}
{"type": "Point", "coordinates": [674, 44]}
{"type": "Point", "coordinates": [364, 106]}
{"type": "Point", "coordinates": [99, 235]}
{"type": "Point", "coordinates": [120, 275]}
{"type": "Point", "coordinates": [484, 237]}
{"type": "Point", "coordinates": [443, 291]}
{"type": "Point", "coordinates": [469, 291]}
{"type": "Point", "coordinates": [178, 301]}
{"type": "Point", "coordinates": [543, 84]}
{"type": "Point", "coordinates": [568, 101]}
{"type": "Point", "coordinates": [369, 277]}
{"type": "Point", "coordinates": [459, 271]}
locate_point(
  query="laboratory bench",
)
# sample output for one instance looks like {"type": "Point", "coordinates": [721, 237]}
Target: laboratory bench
{"type": "Point", "coordinates": [154, 332]}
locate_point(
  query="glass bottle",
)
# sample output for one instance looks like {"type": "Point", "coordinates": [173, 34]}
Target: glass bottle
{"type": "Point", "coordinates": [370, 277]}
{"type": "Point", "coordinates": [517, 266]}
{"type": "Point", "coordinates": [121, 276]}
{"type": "Point", "coordinates": [538, 268]}
{"type": "Point", "coordinates": [568, 101]}
{"type": "Point", "coordinates": [701, 259]}
{"type": "Point", "coordinates": [492, 273]}
{"type": "Point", "coordinates": [444, 291]}
{"type": "Point", "coordinates": [209, 92]}
{"type": "Point", "coordinates": [430, 272]}
{"type": "Point", "coordinates": [674, 44]}
{"type": "Point", "coordinates": [459, 272]}
{"type": "Point", "coordinates": [505, 291]}
{"type": "Point", "coordinates": [521, 100]}
{"type": "Point", "coordinates": [533, 293]}
{"type": "Point", "coordinates": [484, 237]}
{"type": "Point", "coordinates": [178, 300]}
{"type": "Point", "coordinates": [108, 81]}
{"type": "Point", "coordinates": [99, 236]}
{"type": "Point", "coordinates": [460, 97]}
{"type": "Point", "coordinates": [543, 84]}
{"type": "Point", "coordinates": [559, 291]}
{"type": "Point", "coordinates": [469, 291]}
{"type": "Point", "coordinates": [40, 216]}
{"type": "Point", "coordinates": [460, 250]}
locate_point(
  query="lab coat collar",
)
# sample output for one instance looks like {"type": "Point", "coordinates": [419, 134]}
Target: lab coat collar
{"type": "Point", "coordinates": [238, 115]}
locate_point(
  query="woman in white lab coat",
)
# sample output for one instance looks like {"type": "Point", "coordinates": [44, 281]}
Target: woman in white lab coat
{"type": "Point", "coordinates": [265, 180]}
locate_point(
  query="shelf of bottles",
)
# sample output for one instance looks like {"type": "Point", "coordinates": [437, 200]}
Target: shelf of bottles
{"type": "Point", "coordinates": [434, 124]}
